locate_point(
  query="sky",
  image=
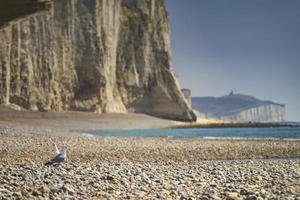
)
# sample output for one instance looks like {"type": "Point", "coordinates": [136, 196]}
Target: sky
{"type": "Point", "coordinates": [249, 46]}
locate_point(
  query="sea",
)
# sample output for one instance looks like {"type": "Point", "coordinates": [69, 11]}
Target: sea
{"type": "Point", "coordinates": [235, 133]}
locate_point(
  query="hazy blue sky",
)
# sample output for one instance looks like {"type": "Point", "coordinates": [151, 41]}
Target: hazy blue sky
{"type": "Point", "coordinates": [250, 46]}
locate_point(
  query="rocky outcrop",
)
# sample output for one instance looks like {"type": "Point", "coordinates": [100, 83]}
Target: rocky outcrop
{"type": "Point", "coordinates": [239, 107]}
{"type": "Point", "coordinates": [106, 56]}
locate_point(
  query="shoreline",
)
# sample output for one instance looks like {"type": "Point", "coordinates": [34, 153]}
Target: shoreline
{"type": "Point", "coordinates": [200, 137]}
{"type": "Point", "coordinates": [89, 134]}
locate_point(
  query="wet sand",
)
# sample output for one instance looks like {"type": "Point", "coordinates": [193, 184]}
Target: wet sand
{"type": "Point", "coordinates": [58, 122]}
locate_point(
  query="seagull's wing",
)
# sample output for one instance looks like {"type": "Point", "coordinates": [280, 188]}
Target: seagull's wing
{"type": "Point", "coordinates": [59, 156]}
{"type": "Point", "coordinates": [57, 159]}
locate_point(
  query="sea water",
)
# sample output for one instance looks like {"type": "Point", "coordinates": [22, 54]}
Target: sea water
{"type": "Point", "coordinates": [277, 133]}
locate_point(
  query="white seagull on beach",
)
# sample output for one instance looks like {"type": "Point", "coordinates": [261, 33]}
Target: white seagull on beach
{"type": "Point", "coordinates": [59, 156]}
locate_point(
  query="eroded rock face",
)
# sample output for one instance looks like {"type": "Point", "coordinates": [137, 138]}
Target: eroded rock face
{"type": "Point", "coordinates": [92, 55]}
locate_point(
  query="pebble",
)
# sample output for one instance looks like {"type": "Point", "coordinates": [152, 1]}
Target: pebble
{"type": "Point", "coordinates": [232, 196]}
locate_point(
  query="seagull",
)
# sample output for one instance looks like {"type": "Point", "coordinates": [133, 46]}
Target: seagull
{"type": "Point", "coordinates": [59, 156]}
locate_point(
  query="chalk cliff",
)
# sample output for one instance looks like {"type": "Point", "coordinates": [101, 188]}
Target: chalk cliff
{"type": "Point", "coordinates": [107, 56]}
{"type": "Point", "coordinates": [239, 107]}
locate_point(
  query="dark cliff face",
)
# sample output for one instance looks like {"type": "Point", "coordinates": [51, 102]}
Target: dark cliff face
{"type": "Point", "coordinates": [92, 55]}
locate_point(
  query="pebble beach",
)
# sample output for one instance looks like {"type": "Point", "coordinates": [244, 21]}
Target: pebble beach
{"type": "Point", "coordinates": [148, 168]}
{"type": "Point", "coordinates": [143, 168]}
